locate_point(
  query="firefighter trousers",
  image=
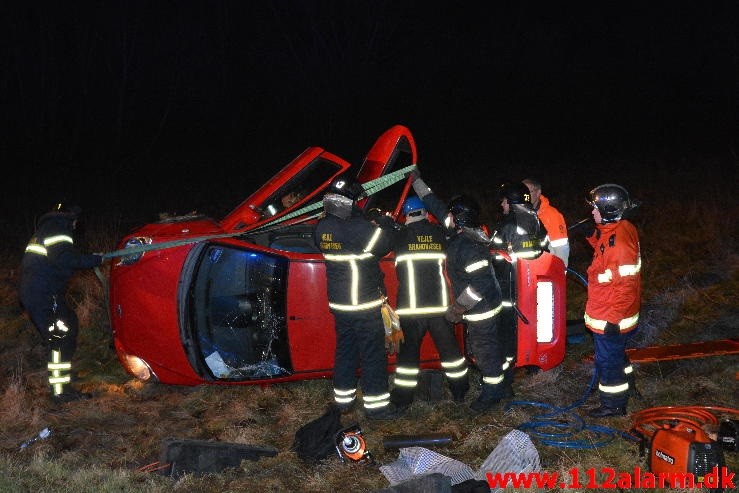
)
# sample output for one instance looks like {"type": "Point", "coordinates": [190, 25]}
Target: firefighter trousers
{"type": "Point", "coordinates": [611, 363]}
{"type": "Point", "coordinates": [58, 326]}
{"type": "Point", "coordinates": [360, 344]}
{"type": "Point", "coordinates": [509, 342]}
{"type": "Point", "coordinates": [485, 339]}
{"type": "Point", "coordinates": [452, 359]}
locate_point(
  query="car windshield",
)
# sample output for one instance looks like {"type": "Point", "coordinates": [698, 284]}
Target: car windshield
{"type": "Point", "coordinates": [237, 313]}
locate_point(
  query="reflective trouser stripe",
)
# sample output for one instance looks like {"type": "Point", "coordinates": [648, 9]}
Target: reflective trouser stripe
{"type": "Point", "coordinates": [476, 317]}
{"type": "Point", "coordinates": [56, 366]}
{"type": "Point", "coordinates": [406, 376]}
{"type": "Point", "coordinates": [376, 401]}
{"type": "Point", "coordinates": [344, 396]}
{"type": "Point", "coordinates": [456, 374]}
{"type": "Point", "coordinates": [613, 389]}
{"type": "Point", "coordinates": [493, 380]}
{"type": "Point", "coordinates": [455, 369]}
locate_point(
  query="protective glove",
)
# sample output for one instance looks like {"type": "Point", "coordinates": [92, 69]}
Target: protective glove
{"type": "Point", "coordinates": [385, 222]}
{"type": "Point", "coordinates": [611, 329]}
{"type": "Point", "coordinates": [393, 341]}
{"type": "Point", "coordinates": [454, 313]}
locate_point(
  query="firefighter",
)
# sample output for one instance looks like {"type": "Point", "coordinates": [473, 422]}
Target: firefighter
{"type": "Point", "coordinates": [519, 235]}
{"type": "Point", "coordinates": [352, 247]}
{"type": "Point", "coordinates": [423, 298]}
{"type": "Point", "coordinates": [48, 264]}
{"type": "Point", "coordinates": [614, 295]}
{"type": "Point", "coordinates": [552, 219]}
{"type": "Point", "coordinates": [477, 297]}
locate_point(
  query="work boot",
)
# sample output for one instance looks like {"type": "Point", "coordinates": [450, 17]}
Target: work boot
{"type": "Point", "coordinates": [486, 401]}
{"type": "Point", "coordinates": [508, 392]}
{"type": "Point", "coordinates": [508, 381]}
{"type": "Point", "coordinates": [401, 397]}
{"type": "Point", "coordinates": [383, 413]}
{"type": "Point", "coordinates": [70, 396]}
{"type": "Point", "coordinates": [605, 411]}
{"type": "Point", "coordinates": [459, 390]}
{"type": "Point", "coordinates": [346, 408]}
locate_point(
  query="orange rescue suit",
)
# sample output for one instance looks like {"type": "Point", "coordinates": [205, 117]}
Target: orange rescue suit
{"type": "Point", "coordinates": [614, 277]}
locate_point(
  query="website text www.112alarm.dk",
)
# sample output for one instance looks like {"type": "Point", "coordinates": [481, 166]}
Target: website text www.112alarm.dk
{"type": "Point", "coordinates": [611, 479]}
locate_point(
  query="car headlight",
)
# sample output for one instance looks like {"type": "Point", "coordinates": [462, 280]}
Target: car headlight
{"type": "Point", "coordinates": [133, 243]}
{"type": "Point", "coordinates": [138, 367]}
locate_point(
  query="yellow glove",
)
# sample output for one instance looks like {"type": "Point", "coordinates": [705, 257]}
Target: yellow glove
{"type": "Point", "coordinates": [393, 333]}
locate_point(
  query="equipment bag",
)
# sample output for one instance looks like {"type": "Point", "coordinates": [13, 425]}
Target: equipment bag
{"type": "Point", "coordinates": [315, 440]}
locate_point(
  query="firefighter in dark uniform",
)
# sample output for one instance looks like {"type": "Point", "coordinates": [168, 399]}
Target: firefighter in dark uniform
{"type": "Point", "coordinates": [352, 247]}
{"type": "Point", "coordinates": [423, 298]}
{"type": "Point", "coordinates": [614, 295]}
{"type": "Point", "coordinates": [477, 297]}
{"type": "Point", "coordinates": [48, 264]}
{"type": "Point", "coordinates": [520, 235]}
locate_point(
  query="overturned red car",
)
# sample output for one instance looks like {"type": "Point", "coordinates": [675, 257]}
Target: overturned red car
{"type": "Point", "coordinates": [242, 300]}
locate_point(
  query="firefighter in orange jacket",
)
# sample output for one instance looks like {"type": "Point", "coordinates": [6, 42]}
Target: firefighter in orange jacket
{"type": "Point", "coordinates": [614, 295]}
{"type": "Point", "coordinates": [552, 219]}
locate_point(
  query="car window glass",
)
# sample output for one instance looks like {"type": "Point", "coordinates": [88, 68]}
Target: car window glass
{"type": "Point", "coordinates": [304, 185]}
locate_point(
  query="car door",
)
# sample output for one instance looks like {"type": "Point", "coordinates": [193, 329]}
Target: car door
{"type": "Point", "coordinates": [393, 150]}
{"type": "Point", "coordinates": [299, 183]}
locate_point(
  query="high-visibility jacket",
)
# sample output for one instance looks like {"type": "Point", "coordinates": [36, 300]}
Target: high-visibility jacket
{"type": "Point", "coordinates": [420, 260]}
{"type": "Point", "coordinates": [352, 248]}
{"type": "Point", "coordinates": [614, 277]}
{"type": "Point", "coordinates": [554, 222]}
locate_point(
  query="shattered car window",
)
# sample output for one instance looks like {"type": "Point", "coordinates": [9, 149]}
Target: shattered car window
{"type": "Point", "coordinates": [237, 312]}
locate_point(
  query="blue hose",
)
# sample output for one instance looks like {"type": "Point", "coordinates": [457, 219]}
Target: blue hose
{"type": "Point", "coordinates": [565, 419]}
{"type": "Point", "coordinates": [578, 276]}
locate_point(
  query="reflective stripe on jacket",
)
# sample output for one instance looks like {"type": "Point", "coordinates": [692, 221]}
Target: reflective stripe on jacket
{"type": "Point", "coordinates": [352, 248]}
{"type": "Point", "coordinates": [420, 260]}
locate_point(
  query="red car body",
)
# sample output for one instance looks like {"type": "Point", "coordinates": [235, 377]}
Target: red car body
{"type": "Point", "coordinates": [243, 300]}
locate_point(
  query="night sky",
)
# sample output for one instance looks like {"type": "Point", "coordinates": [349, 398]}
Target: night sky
{"type": "Point", "coordinates": [142, 107]}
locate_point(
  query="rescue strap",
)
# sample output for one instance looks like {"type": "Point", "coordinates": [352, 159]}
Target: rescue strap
{"type": "Point", "coordinates": [369, 188]}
